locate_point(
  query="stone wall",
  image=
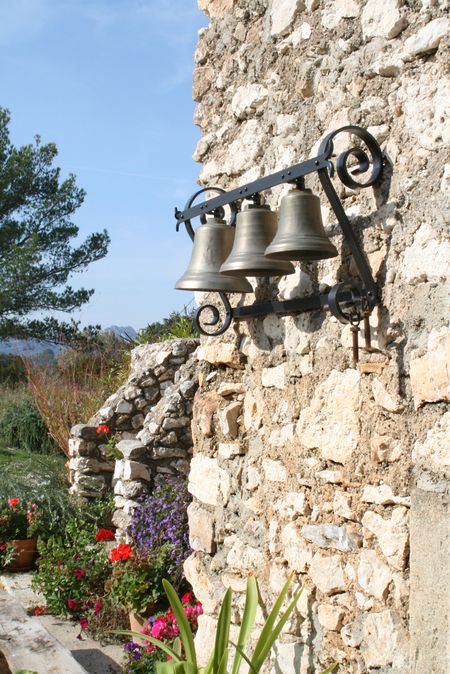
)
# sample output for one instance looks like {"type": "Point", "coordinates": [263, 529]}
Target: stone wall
{"type": "Point", "coordinates": [302, 462]}
{"type": "Point", "coordinates": [149, 418]}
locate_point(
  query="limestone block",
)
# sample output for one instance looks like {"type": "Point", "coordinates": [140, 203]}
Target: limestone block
{"type": "Point", "coordinates": [106, 413]}
{"type": "Point", "coordinates": [296, 551]}
{"type": "Point", "coordinates": [79, 447]}
{"type": "Point", "coordinates": [229, 449]}
{"type": "Point", "coordinates": [129, 490]}
{"type": "Point", "coordinates": [228, 388]}
{"type": "Point", "coordinates": [281, 436]}
{"type": "Point", "coordinates": [188, 388]}
{"type": "Point", "coordinates": [123, 407]}
{"type": "Point", "coordinates": [216, 8]}
{"type": "Point", "coordinates": [205, 405]}
{"type": "Point", "coordinates": [291, 505]}
{"type": "Point", "coordinates": [327, 573]}
{"type": "Point", "coordinates": [228, 419]}
{"type": "Point", "coordinates": [427, 38]}
{"type": "Point", "coordinates": [132, 470]}
{"type": "Point", "coordinates": [274, 471]}
{"type": "Point", "coordinates": [137, 421]}
{"type": "Point", "coordinates": [196, 573]}
{"type": "Point", "coordinates": [84, 431]}
{"type": "Point", "coordinates": [385, 448]}
{"type": "Point", "coordinates": [253, 410]}
{"type": "Point", "coordinates": [426, 117]}
{"type": "Point", "coordinates": [331, 423]}
{"type": "Point", "coordinates": [331, 476]}
{"type": "Point", "coordinates": [201, 529]}
{"type": "Point", "coordinates": [352, 633]}
{"type": "Point", "coordinates": [282, 14]}
{"type": "Point", "coordinates": [392, 535]}
{"type": "Point", "coordinates": [336, 10]}
{"type": "Point", "coordinates": [342, 505]}
{"type": "Point", "coordinates": [332, 536]}
{"type": "Point", "coordinates": [168, 453]}
{"type": "Point", "coordinates": [330, 617]}
{"type": "Point", "coordinates": [90, 482]}
{"type": "Point", "coordinates": [382, 19]}
{"type": "Point", "coordinates": [131, 392]}
{"type": "Point", "coordinates": [253, 478]}
{"type": "Point", "coordinates": [383, 641]}
{"type": "Point", "coordinates": [434, 451]}
{"type": "Point", "coordinates": [121, 519]}
{"type": "Point", "coordinates": [118, 469]}
{"type": "Point", "coordinates": [389, 402]}
{"type": "Point", "coordinates": [383, 495]}
{"type": "Point", "coordinates": [245, 557]}
{"type": "Point", "coordinates": [374, 575]}
{"type": "Point", "coordinates": [208, 482]}
{"type": "Point", "coordinates": [131, 449]}
{"type": "Point", "coordinates": [219, 353]}
{"type": "Point", "coordinates": [292, 657]}
{"type": "Point", "coordinates": [87, 465]}
{"type": "Point", "coordinates": [274, 376]}
{"type": "Point", "coordinates": [170, 423]}
{"type": "Point", "coordinates": [430, 373]}
{"type": "Point", "coordinates": [249, 100]}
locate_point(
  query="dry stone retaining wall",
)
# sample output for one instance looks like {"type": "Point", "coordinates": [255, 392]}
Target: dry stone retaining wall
{"type": "Point", "coordinates": [150, 418]}
{"type": "Point", "coordinates": [302, 462]}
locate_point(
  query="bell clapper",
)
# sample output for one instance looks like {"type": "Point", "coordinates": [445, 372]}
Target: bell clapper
{"type": "Point", "coordinates": [355, 320]}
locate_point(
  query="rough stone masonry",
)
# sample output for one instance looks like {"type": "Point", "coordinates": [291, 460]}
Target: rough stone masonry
{"type": "Point", "coordinates": [302, 462]}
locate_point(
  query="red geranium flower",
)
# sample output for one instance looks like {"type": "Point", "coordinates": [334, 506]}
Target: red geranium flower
{"type": "Point", "coordinates": [103, 428]}
{"type": "Point", "coordinates": [39, 610]}
{"type": "Point", "coordinates": [98, 606]}
{"type": "Point", "coordinates": [187, 597]}
{"type": "Point", "coordinates": [79, 573]}
{"type": "Point", "coordinates": [84, 623]}
{"type": "Point", "coordinates": [13, 502]}
{"type": "Point", "coordinates": [122, 552]}
{"type": "Point", "coordinates": [105, 535]}
{"type": "Point", "coordinates": [72, 604]}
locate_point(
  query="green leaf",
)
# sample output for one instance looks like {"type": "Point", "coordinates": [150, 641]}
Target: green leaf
{"type": "Point", "coordinates": [165, 668]}
{"type": "Point", "coordinates": [223, 663]}
{"type": "Point", "coordinates": [222, 631]}
{"type": "Point", "coordinates": [330, 669]}
{"type": "Point", "coordinates": [271, 637]}
{"type": "Point", "coordinates": [248, 619]}
{"type": "Point", "coordinates": [271, 618]}
{"type": "Point", "coordinates": [182, 622]}
{"type": "Point", "coordinates": [156, 642]}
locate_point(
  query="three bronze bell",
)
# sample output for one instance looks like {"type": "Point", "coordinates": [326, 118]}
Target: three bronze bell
{"type": "Point", "coordinates": [223, 256]}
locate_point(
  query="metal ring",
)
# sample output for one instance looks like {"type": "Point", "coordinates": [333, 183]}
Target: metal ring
{"type": "Point", "coordinates": [373, 157]}
{"type": "Point", "coordinates": [190, 201]}
{"type": "Point", "coordinates": [334, 304]}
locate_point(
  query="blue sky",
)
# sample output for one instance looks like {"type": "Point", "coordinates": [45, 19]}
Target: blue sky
{"type": "Point", "coordinates": [109, 81]}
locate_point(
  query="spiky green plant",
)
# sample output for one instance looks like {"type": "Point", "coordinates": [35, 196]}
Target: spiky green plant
{"type": "Point", "coordinates": [218, 661]}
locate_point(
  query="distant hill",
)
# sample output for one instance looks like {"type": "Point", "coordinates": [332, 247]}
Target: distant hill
{"type": "Point", "coordinates": [34, 347]}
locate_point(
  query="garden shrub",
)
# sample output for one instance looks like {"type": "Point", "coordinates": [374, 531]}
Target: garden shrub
{"type": "Point", "coordinates": [22, 427]}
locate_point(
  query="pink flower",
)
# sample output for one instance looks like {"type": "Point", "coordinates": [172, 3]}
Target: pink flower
{"type": "Point", "coordinates": [84, 623]}
{"type": "Point", "coordinates": [98, 606]}
{"type": "Point", "coordinates": [158, 628]}
{"type": "Point", "coordinates": [72, 604]}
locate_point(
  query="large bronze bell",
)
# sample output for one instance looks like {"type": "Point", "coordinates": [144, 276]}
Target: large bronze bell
{"type": "Point", "coordinates": [255, 228]}
{"type": "Point", "coordinates": [301, 235]}
{"type": "Point", "coordinates": [213, 242]}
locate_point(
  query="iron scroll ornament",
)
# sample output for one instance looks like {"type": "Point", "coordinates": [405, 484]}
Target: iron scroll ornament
{"type": "Point", "coordinates": [342, 300]}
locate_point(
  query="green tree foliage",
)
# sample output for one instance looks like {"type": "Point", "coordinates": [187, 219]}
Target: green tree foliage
{"type": "Point", "coordinates": [176, 325]}
{"type": "Point", "coordinates": [36, 256]}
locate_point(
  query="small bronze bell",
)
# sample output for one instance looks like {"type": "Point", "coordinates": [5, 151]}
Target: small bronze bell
{"type": "Point", "coordinates": [213, 242]}
{"type": "Point", "coordinates": [301, 235]}
{"type": "Point", "coordinates": [255, 228]}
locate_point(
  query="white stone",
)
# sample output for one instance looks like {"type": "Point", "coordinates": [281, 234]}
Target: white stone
{"type": "Point", "coordinates": [196, 573]}
{"type": "Point", "coordinates": [123, 407]}
{"type": "Point", "coordinates": [382, 19]}
{"type": "Point", "coordinates": [291, 505]}
{"type": "Point", "coordinates": [296, 551]}
{"type": "Point", "coordinates": [201, 528]}
{"type": "Point", "coordinates": [228, 388]}
{"type": "Point", "coordinates": [249, 100]}
{"type": "Point", "coordinates": [281, 436]}
{"type": "Point", "coordinates": [383, 495]}
{"type": "Point", "coordinates": [228, 419]}
{"type": "Point", "coordinates": [244, 150]}
{"type": "Point", "coordinates": [385, 448]}
{"type": "Point", "coordinates": [204, 638]}
{"type": "Point", "coordinates": [388, 402]}
{"type": "Point", "coordinates": [274, 376]}
{"type": "Point", "coordinates": [374, 575]}
{"type": "Point", "coordinates": [291, 657]}
{"type": "Point", "coordinates": [229, 449]}
{"type": "Point", "coordinates": [383, 641]}
{"type": "Point", "coordinates": [208, 482]}
{"type": "Point", "coordinates": [253, 410]}
{"type": "Point", "coordinates": [253, 478]}
{"type": "Point", "coordinates": [330, 617]}
{"type": "Point", "coordinates": [331, 476]}
{"type": "Point", "coordinates": [282, 15]}
{"type": "Point", "coordinates": [331, 423]}
{"type": "Point", "coordinates": [341, 505]}
{"type": "Point", "coordinates": [392, 535]}
{"type": "Point", "coordinates": [336, 10]}
{"type": "Point", "coordinates": [427, 38]}
{"type": "Point", "coordinates": [274, 471]}
{"type": "Point", "coordinates": [331, 536]}
{"type": "Point", "coordinates": [245, 557]}
{"type": "Point", "coordinates": [426, 117]}
{"type": "Point", "coordinates": [434, 451]}
{"type": "Point", "coordinates": [430, 373]}
{"type": "Point", "coordinates": [132, 470]}
{"type": "Point", "coordinates": [294, 285]}
{"type": "Point", "coordinates": [427, 259]}
{"type": "Point", "coordinates": [219, 353]}
{"type": "Point", "coordinates": [327, 573]}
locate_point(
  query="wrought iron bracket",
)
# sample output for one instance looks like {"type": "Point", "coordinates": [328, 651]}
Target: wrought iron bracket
{"type": "Point", "coordinates": [348, 302]}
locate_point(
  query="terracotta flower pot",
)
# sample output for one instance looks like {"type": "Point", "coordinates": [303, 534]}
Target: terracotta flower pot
{"type": "Point", "coordinates": [25, 550]}
{"type": "Point", "coordinates": [138, 621]}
